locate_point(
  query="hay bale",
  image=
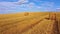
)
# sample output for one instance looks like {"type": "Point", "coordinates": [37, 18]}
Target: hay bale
{"type": "Point", "coordinates": [26, 14]}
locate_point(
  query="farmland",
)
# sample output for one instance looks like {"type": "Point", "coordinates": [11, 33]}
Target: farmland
{"type": "Point", "coordinates": [28, 23]}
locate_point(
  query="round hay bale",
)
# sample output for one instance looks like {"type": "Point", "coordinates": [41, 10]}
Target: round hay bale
{"type": "Point", "coordinates": [26, 13]}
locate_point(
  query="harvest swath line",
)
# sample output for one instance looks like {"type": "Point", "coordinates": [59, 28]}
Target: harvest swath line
{"type": "Point", "coordinates": [12, 24]}
{"type": "Point", "coordinates": [40, 28]}
{"type": "Point", "coordinates": [16, 24]}
{"type": "Point", "coordinates": [22, 19]}
{"type": "Point", "coordinates": [29, 27]}
{"type": "Point", "coordinates": [25, 18]}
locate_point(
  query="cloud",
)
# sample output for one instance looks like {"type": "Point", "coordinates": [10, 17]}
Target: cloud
{"type": "Point", "coordinates": [22, 2]}
{"type": "Point", "coordinates": [48, 6]}
{"type": "Point", "coordinates": [37, 0]}
{"type": "Point", "coordinates": [7, 5]}
{"type": "Point", "coordinates": [58, 9]}
{"type": "Point", "coordinates": [23, 5]}
{"type": "Point", "coordinates": [12, 7]}
{"type": "Point", "coordinates": [30, 5]}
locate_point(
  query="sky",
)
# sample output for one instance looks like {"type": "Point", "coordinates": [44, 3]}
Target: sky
{"type": "Point", "coordinates": [11, 6]}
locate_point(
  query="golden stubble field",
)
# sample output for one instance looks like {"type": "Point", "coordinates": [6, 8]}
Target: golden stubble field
{"type": "Point", "coordinates": [29, 23]}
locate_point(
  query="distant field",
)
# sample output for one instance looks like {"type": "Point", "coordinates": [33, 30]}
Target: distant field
{"type": "Point", "coordinates": [28, 23]}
